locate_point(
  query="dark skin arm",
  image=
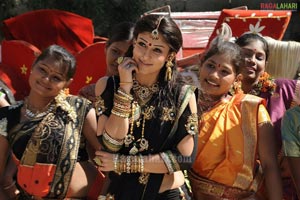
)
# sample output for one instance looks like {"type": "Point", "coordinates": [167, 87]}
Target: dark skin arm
{"type": "Point", "coordinates": [294, 165]}
{"type": "Point", "coordinates": [267, 155]}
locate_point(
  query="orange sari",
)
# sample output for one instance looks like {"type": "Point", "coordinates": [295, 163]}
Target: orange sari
{"type": "Point", "coordinates": [227, 147]}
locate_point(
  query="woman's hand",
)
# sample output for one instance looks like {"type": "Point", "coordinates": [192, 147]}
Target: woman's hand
{"type": "Point", "coordinates": [105, 161]}
{"type": "Point", "coordinates": [126, 68]}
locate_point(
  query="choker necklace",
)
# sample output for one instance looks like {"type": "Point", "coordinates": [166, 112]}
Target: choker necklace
{"type": "Point", "coordinates": [30, 114]}
{"type": "Point", "coordinates": [144, 93]}
{"type": "Point", "coordinates": [206, 102]}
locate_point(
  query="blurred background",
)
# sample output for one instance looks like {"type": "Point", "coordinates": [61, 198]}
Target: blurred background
{"type": "Point", "coordinates": [105, 13]}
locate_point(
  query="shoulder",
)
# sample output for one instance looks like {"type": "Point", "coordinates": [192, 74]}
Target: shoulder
{"type": "Point", "coordinates": [78, 101]}
{"type": "Point", "coordinates": [282, 82]}
{"type": "Point", "coordinates": [248, 100]}
{"type": "Point", "coordinates": [286, 85]}
{"type": "Point", "coordinates": [101, 85]}
{"type": "Point", "coordinates": [293, 112]}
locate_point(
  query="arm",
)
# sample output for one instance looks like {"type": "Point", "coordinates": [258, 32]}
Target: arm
{"type": "Point", "coordinates": [267, 155]}
{"type": "Point", "coordinates": [90, 129]}
{"type": "Point", "coordinates": [182, 156]}
{"type": "Point", "coordinates": [294, 165]}
{"type": "Point", "coordinates": [116, 127]}
{"type": "Point", "coordinates": [290, 142]}
{"type": "Point", "coordinates": [3, 153]}
{"type": "Point", "coordinates": [151, 163]}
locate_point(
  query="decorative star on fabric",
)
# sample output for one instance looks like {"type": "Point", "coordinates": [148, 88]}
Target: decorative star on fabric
{"type": "Point", "coordinates": [88, 79]}
{"type": "Point", "coordinates": [24, 69]}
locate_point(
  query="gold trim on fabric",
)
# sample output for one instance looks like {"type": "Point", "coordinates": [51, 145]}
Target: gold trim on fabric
{"type": "Point", "coordinates": [69, 152]}
{"type": "Point", "coordinates": [249, 107]}
{"type": "Point", "coordinates": [192, 124]}
{"type": "Point", "coordinates": [99, 106]}
{"type": "Point", "coordinates": [32, 149]}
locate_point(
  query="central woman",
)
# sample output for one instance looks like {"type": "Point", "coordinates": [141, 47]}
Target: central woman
{"type": "Point", "coordinates": [147, 117]}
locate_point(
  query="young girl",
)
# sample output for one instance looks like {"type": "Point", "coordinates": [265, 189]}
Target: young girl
{"type": "Point", "coordinates": [234, 132]}
{"type": "Point", "coordinates": [147, 119]}
{"type": "Point", "coordinates": [280, 95]}
{"type": "Point", "coordinates": [47, 133]}
{"type": "Point", "coordinates": [118, 43]}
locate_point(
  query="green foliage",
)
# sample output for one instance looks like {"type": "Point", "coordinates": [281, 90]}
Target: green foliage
{"type": "Point", "coordinates": [104, 13]}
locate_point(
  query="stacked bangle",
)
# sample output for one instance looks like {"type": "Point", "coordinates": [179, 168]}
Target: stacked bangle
{"type": "Point", "coordinates": [128, 164]}
{"type": "Point", "coordinates": [111, 144]}
{"type": "Point", "coordinates": [122, 104]}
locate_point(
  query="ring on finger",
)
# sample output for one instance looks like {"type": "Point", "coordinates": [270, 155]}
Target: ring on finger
{"type": "Point", "coordinates": [98, 161]}
{"type": "Point", "coordinates": [120, 59]}
{"type": "Point", "coordinates": [129, 65]}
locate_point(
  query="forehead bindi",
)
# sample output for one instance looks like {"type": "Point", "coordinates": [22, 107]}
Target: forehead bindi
{"type": "Point", "coordinates": [149, 41]}
{"type": "Point", "coordinates": [255, 47]}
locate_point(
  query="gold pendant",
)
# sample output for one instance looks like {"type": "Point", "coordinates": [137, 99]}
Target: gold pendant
{"type": "Point", "coordinates": [144, 144]}
{"type": "Point", "coordinates": [128, 140]}
{"type": "Point", "coordinates": [143, 179]}
{"type": "Point", "coordinates": [133, 150]}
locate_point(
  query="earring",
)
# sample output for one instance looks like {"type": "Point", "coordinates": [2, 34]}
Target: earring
{"type": "Point", "coordinates": [169, 66]}
{"type": "Point", "coordinates": [236, 87]}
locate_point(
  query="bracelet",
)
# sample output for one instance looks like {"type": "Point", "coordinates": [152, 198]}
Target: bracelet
{"type": "Point", "coordinates": [124, 83]}
{"type": "Point", "coordinates": [9, 186]}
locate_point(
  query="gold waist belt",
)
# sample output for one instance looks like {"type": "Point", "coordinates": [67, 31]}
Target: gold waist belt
{"type": "Point", "coordinates": [203, 186]}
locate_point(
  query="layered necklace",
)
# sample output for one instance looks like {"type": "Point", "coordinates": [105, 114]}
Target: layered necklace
{"type": "Point", "coordinates": [140, 113]}
{"type": "Point", "coordinates": [38, 113]}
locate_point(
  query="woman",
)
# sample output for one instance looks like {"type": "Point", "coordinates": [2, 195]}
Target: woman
{"type": "Point", "coordinates": [280, 94]}
{"type": "Point", "coordinates": [234, 132]}
{"type": "Point", "coordinates": [290, 142]}
{"type": "Point", "coordinates": [118, 43]}
{"type": "Point", "coordinates": [148, 118]}
{"type": "Point", "coordinates": [47, 133]}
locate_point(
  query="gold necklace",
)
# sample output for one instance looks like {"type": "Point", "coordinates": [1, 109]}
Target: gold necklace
{"type": "Point", "coordinates": [30, 114]}
{"type": "Point", "coordinates": [140, 144]}
{"type": "Point", "coordinates": [144, 93]}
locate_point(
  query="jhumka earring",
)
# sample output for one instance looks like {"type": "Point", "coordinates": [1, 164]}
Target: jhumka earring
{"type": "Point", "coordinates": [236, 87]}
{"type": "Point", "coordinates": [154, 33]}
{"type": "Point", "coordinates": [169, 66]}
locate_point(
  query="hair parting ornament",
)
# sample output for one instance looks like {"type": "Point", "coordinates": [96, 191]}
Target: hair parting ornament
{"type": "Point", "coordinates": [154, 33]}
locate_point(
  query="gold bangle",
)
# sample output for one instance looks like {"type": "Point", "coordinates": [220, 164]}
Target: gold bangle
{"type": "Point", "coordinates": [122, 83]}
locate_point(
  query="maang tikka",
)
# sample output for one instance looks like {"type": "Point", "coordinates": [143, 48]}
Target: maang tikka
{"type": "Point", "coordinates": [154, 33]}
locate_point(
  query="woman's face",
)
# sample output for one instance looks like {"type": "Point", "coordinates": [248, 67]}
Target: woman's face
{"type": "Point", "coordinates": [255, 58]}
{"type": "Point", "coordinates": [113, 52]}
{"type": "Point", "coordinates": [216, 75]}
{"type": "Point", "coordinates": [150, 54]}
{"type": "Point", "coordinates": [47, 78]}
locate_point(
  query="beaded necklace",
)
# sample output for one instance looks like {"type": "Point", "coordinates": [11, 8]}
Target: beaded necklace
{"type": "Point", "coordinates": [38, 114]}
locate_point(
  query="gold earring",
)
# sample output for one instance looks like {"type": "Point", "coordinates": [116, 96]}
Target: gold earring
{"type": "Point", "coordinates": [236, 87]}
{"type": "Point", "coordinates": [169, 66]}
